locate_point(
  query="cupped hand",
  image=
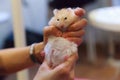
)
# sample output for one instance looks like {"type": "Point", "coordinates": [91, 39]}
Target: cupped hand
{"type": "Point", "coordinates": [64, 71]}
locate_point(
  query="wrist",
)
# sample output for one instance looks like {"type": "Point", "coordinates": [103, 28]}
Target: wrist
{"type": "Point", "coordinates": [38, 48]}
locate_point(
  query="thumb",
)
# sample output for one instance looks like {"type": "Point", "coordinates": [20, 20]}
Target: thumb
{"type": "Point", "coordinates": [51, 31]}
{"type": "Point", "coordinates": [66, 66]}
{"type": "Point", "coordinates": [79, 11]}
{"type": "Point", "coordinates": [44, 65]}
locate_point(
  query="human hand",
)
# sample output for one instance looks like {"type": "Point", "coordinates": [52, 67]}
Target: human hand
{"type": "Point", "coordinates": [63, 71]}
{"type": "Point", "coordinates": [74, 32]}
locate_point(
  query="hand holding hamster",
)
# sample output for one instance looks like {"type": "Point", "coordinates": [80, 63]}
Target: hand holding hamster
{"type": "Point", "coordinates": [74, 32]}
{"type": "Point", "coordinates": [58, 48]}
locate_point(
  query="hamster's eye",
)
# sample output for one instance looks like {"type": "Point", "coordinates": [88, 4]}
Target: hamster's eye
{"type": "Point", "coordinates": [65, 18]}
{"type": "Point", "coordinates": [58, 19]}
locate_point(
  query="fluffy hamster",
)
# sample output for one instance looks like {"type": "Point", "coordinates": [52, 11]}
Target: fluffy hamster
{"type": "Point", "coordinates": [58, 48]}
{"type": "Point", "coordinates": [63, 18]}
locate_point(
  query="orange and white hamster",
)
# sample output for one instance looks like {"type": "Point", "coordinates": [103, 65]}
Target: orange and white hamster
{"type": "Point", "coordinates": [58, 49]}
{"type": "Point", "coordinates": [63, 18]}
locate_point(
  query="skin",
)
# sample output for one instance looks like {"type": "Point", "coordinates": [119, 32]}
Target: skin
{"type": "Point", "coordinates": [16, 59]}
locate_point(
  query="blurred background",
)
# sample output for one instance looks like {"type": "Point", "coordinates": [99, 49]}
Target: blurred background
{"type": "Point", "coordinates": [99, 53]}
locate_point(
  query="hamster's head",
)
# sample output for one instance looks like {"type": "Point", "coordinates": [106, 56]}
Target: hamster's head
{"type": "Point", "coordinates": [63, 18]}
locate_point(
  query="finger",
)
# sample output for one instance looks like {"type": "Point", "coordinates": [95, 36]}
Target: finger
{"type": "Point", "coordinates": [78, 25]}
{"type": "Point", "coordinates": [77, 41]}
{"type": "Point", "coordinates": [71, 61]}
{"type": "Point", "coordinates": [72, 74]}
{"type": "Point", "coordinates": [67, 66]}
{"type": "Point", "coordinates": [44, 65]}
{"type": "Point", "coordinates": [51, 31]}
{"type": "Point", "coordinates": [74, 34]}
{"type": "Point", "coordinates": [79, 11]}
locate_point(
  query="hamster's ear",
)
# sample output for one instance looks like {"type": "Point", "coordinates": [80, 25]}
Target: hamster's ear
{"type": "Point", "coordinates": [55, 11]}
{"type": "Point", "coordinates": [69, 9]}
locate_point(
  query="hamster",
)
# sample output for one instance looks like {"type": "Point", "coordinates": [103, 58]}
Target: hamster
{"type": "Point", "coordinates": [63, 18]}
{"type": "Point", "coordinates": [58, 49]}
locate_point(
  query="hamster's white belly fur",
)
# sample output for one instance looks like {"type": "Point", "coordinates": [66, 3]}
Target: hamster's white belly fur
{"type": "Point", "coordinates": [57, 49]}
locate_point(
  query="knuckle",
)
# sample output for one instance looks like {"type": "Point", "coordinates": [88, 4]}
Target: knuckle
{"type": "Point", "coordinates": [79, 41]}
{"type": "Point", "coordinates": [82, 32]}
{"type": "Point", "coordinates": [64, 71]}
{"type": "Point", "coordinates": [84, 21]}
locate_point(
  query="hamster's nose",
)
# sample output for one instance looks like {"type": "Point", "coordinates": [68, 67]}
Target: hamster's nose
{"type": "Point", "coordinates": [63, 28]}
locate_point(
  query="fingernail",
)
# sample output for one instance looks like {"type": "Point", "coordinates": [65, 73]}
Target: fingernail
{"type": "Point", "coordinates": [80, 12]}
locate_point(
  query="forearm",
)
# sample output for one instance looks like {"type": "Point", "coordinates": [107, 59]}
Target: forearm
{"type": "Point", "coordinates": [15, 59]}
